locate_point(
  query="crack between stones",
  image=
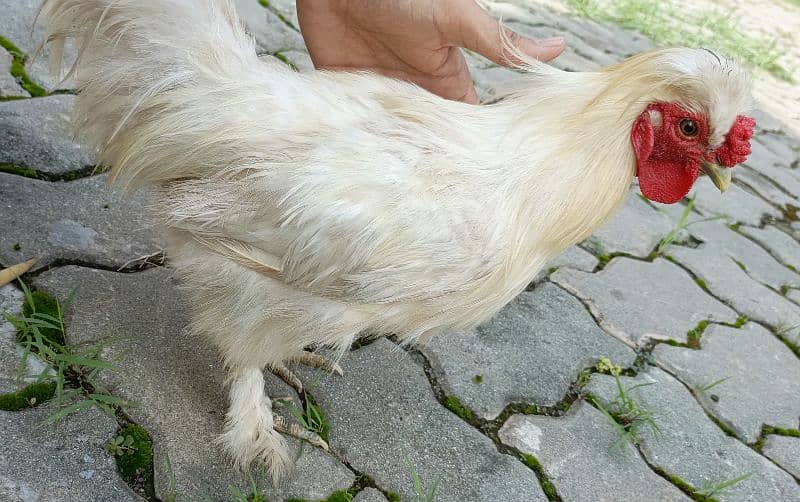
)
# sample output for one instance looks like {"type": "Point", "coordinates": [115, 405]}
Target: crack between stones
{"type": "Point", "coordinates": [138, 265]}
{"type": "Point", "coordinates": [27, 172]}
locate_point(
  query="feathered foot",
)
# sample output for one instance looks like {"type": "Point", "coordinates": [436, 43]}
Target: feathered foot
{"type": "Point", "coordinates": [250, 431]}
{"type": "Point", "coordinates": [309, 359]}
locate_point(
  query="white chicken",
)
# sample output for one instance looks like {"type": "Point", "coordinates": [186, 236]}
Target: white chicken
{"type": "Point", "coordinates": [304, 209]}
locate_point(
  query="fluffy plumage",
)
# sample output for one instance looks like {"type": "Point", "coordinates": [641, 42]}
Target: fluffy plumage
{"type": "Point", "coordinates": [306, 208]}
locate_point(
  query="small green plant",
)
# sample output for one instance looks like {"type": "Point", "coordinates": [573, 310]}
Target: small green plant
{"type": "Point", "coordinates": [707, 387]}
{"type": "Point", "coordinates": [121, 445]}
{"type": "Point", "coordinates": [312, 419]}
{"type": "Point", "coordinates": [625, 414]}
{"type": "Point", "coordinates": [693, 335]}
{"type": "Point", "coordinates": [477, 379]}
{"type": "Point", "coordinates": [682, 224]}
{"type": "Point", "coordinates": [422, 494]}
{"type": "Point", "coordinates": [711, 489]}
{"type": "Point", "coordinates": [605, 366]}
{"type": "Point", "coordinates": [41, 331]}
{"type": "Point", "coordinates": [255, 495]}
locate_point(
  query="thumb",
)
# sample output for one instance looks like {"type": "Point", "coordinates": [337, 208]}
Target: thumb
{"type": "Point", "coordinates": [481, 33]}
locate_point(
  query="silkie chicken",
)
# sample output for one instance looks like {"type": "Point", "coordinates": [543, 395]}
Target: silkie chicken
{"type": "Point", "coordinates": [304, 209]}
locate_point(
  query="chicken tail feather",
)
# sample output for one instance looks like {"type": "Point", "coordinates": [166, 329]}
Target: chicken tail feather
{"type": "Point", "coordinates": [145, 69]}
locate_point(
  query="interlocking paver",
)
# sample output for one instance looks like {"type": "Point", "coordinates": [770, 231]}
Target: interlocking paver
{"type": "Point", "coordinates": [691, 446]}
{"type": "Point", "coordinates": [639, 300]}
{"type": "Point", "coordinates": [82, 220]}
{"type": "Point", "coordinates": [758, 377]}
{"type": "Point", "coordinates": [785, 451]}
{"type": "Point", "coordinates": [8, 84]}
{"type": "Point", "coordinates": [636, 229]}
{"type": "Point", "coordinates": [530, 352]}
{"type": "Point", "coordinates": [580, 455]}
{"type": "Point", "coordinates": [38, 134]}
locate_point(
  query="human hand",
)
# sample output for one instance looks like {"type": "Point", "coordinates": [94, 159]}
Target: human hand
{"type": "Point", "coordinates": [413, 40]}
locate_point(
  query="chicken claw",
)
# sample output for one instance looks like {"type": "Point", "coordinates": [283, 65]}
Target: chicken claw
{"type": "Point", "coordinates": [291, 429]}
{"type": "Point", "coordinates": [309, 359]}
{"type": "Point", "coordinates": [314, 360]}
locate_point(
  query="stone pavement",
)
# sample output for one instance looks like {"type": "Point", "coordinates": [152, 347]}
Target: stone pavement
{"type": "Point", "coordinates": [513, 410]}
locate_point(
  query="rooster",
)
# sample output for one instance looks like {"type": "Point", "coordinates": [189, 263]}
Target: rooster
{"type": "Point", "coordinates": [304, 209]}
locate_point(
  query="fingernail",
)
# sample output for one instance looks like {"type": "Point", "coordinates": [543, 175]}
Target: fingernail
{"type": "Point", "coordinates": [550, 42]}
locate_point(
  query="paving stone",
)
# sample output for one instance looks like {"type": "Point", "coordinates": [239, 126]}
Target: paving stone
{"type": "Point", "coordinates": [8, 84]}
{"type": "Point", "coordinates": [530, 352]}
{"type": "Point", "coordinates": [177, 382]}
{"type": "Point", "coordinates": [785, 451]}
{"type": "Point", "coordinates": [774, 167]}
{"type": "Point", "coordinates": [763, 377]}
{"type": "Point", "coordinates": [721, 241]}
{"type": "Point", "coordinates": [778, 144]}
{"type": "Point", "coordinates": [637, 300]}
{"type": "Point", "coordinates": [82, 220]}
{"type": "Point", "coordinates": [37, 134]}
{"type": "Point", "coordinates": [692, 447]}
{"type": "Point", "coordinates": [494, 82]}
{"type": "Point", "coordinates": [383, 416]}
{"type": "Point", "coordinates": [576, 258]}
{"type": "Point", "coordinates": [735, 203]}
{"type": "Point", "coordinates": [794, 295]}
{"type": "Point", "coordinates": [779, 243]}
{"type": "Point", "coordinates": [732, 285]}
{"type": "Point", "coordinates": [369, 495]}
{"type": "Point", "coordinates": [635, 229]}
{"type": "Point", "coordinates": [579, 456]}
{"type": "Point", "coordinates": [287, 9]}
{"type": "Point", "coordinates": [10, 304]}
{"type": "Point", "coordinates": [271, 34]}
{"type": "Point", "coordinates": [763, 186]}
{"type": "Point", "coordinates": [63, 462]}
{"type": "Point", "coordinates": [15, 26]}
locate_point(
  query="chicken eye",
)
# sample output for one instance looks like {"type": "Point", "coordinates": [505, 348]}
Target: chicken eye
{"type": "Point", "coordinates": [689, 128]}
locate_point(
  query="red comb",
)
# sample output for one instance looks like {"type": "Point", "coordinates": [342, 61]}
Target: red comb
{"type": "Point", "coordinates": [737, 143]}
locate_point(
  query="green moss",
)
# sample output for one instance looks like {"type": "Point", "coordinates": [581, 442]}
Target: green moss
{"type": "Point", "coordinates": [19, 171]}
{"type": "Point", "coordinates": [392, 497]}
{"type": "Point", "coordinates": [137, 463]}
{"type": "Point", "coordinates": [40, 302]}
{"type": "Point", "coordinates": [341, 496]}
{"type": "Point", "coordinates": [477, 379]}
{"type": "Point", "coordinates": [547, 486]}
{"type": "Point", "coordinates": [790, 212]}
{"type": "Point", "coordinates": [741, 265]}
{"type": "Point", "coordinates": [735, 226]}
{"type": "Point", "coordinates": [683, 485]}
{"type": "Point", "coordinates": [792, 268]}
{"type": "Point", "coordinates": [453, 404]}
{"type": "Point", "coordinates": [16, 246]}
{"type": "Point", "coordinates": [740, 321]}
{"type": "Point", "coordinates": [781, 431]}
{"type": "Point", "coordinates": [28, 397]}
{"type": "Point", "coordinates": [18, 69]}
{"type": "Point", "coordinates": [604, 259]}
{"type": "Point", "coordinates": [693, 335]}
{"type": "Point", "coordinates": [700, 282]}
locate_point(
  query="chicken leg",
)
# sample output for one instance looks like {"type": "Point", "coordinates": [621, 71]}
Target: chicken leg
{"type": "Point", "coordinates": [310, 359]}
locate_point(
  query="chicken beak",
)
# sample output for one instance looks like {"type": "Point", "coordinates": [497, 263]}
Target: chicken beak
{"type": "Point", "coordinates": [720, 176]}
